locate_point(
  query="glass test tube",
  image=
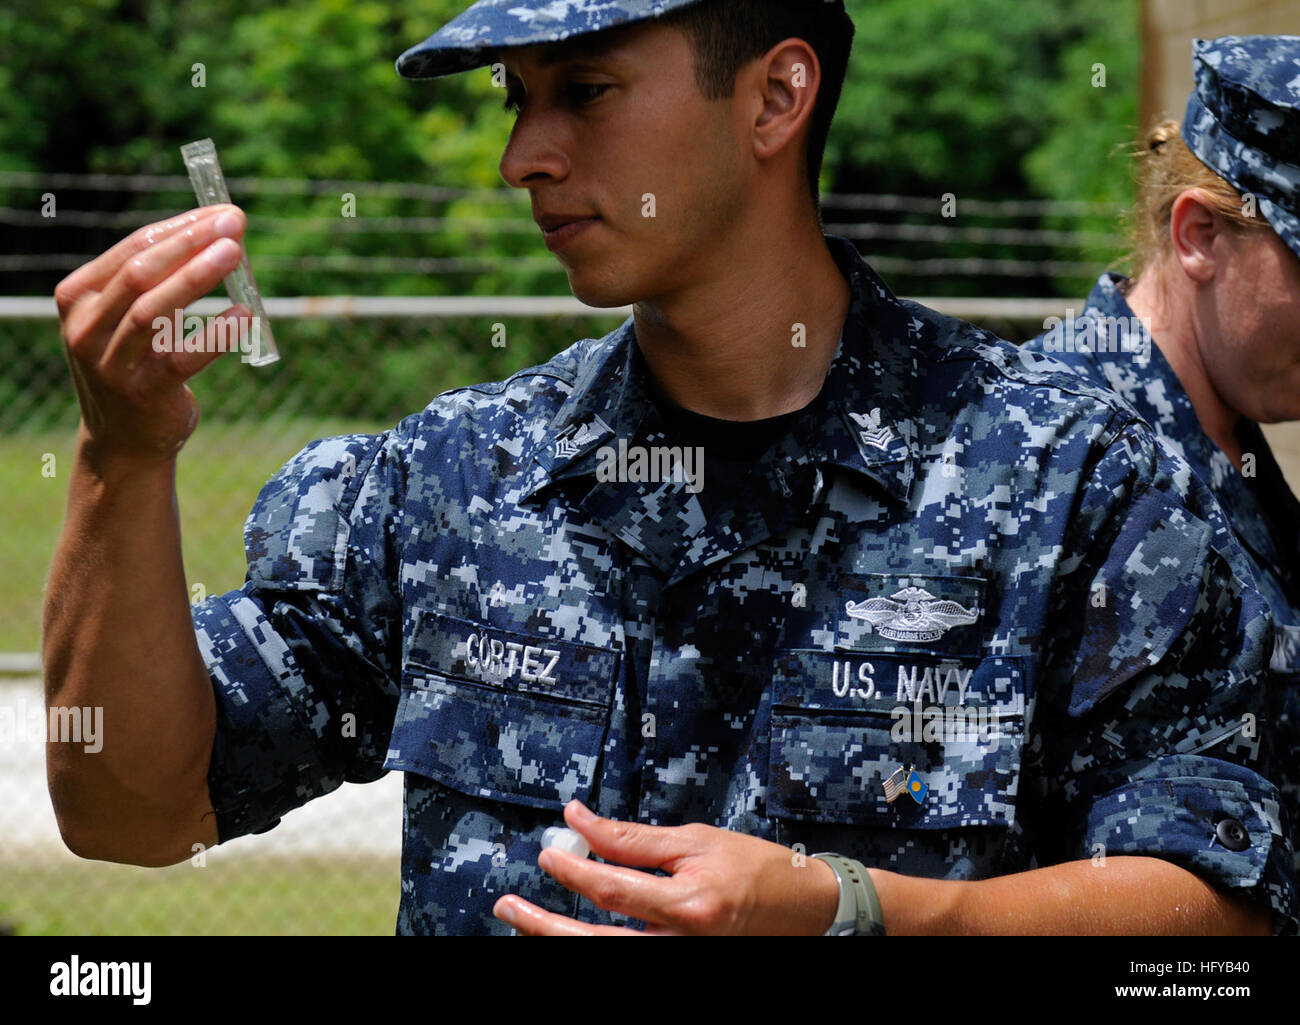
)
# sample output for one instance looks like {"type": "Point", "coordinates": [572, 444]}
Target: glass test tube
{"type": "Point", "coordinates": [210, 189]}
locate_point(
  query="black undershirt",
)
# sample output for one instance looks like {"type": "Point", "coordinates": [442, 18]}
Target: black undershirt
{"type": "Point", "coordinates": [732, 448]}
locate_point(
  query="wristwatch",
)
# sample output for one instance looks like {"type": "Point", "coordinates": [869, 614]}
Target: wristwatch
{"type": "Point", "coordinates": [859, 911]}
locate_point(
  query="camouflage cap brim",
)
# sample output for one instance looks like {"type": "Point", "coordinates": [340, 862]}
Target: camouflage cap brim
{"type": "Point", "coordinates": [471, 39]}
{"type": "Point", "coordinates": [1274, 182]}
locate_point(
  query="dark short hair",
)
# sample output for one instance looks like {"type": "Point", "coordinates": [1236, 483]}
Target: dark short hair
{"type": "Point", "coordinates": [727, 34]}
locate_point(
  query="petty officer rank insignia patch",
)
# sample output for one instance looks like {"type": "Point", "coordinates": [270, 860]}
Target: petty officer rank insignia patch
{"type": "Point", "coordinates": [576, 438]}
{"type": "Point", "coordinates": [872, 432]}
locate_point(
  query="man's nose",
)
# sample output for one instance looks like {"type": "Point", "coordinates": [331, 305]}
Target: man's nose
{"type": "Point", "coordinates": [536, 147]}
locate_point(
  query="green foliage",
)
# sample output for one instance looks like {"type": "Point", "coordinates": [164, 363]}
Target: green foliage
{"type": "Point", "coordinates": [980, 98]}
{"type": "Point", "coordinates": [951, 95]}
{"type": "Point", "coordinates": [1093, 120]}
{"type": "Point", "coordinates": [988, 99]}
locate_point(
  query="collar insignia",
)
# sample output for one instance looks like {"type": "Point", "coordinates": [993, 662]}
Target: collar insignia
{"type": "Point", "coordinates": [872, 433]}
{"type": "Point", "coordinates": [570, 444]}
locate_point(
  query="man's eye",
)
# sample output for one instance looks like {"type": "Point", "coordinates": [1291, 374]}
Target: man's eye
{"type": "Point", "coordinates": [580, 93]}
{"type": "Point", "coordinates": [586, 92]}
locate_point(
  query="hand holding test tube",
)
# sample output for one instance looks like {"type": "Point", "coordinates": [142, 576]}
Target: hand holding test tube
{"type": "Point", "coordinates": [210, 189]}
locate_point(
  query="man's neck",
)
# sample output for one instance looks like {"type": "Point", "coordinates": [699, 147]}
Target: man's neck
{"type": "Point", "coordinates": [730, 345]}
{"type": "Point", "coordinates": [1172, 326]}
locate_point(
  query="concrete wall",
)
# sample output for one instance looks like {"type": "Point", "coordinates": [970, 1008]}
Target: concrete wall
{"type": "Point", "coordinates": [1168, 28]}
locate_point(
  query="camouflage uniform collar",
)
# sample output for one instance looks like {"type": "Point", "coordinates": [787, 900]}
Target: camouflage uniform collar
{"type": "Point", "coordinates": [863, 420]}
{"type": "Point", "coordinates": [1163, 403]}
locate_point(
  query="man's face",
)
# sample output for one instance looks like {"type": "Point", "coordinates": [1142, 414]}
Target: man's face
{"type": "Point", "coordinates": [612, 127]}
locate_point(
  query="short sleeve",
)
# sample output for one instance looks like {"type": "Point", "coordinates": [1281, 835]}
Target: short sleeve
{"type": "Point", "coordinates": [302, 656]}
{"type": "Point", "coordinates": [1154, 735]}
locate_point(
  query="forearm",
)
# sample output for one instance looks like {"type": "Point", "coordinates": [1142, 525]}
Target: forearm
{"type": "Point", "coordinates": [118, 636]}
{"type": "Point", "coordinates": [1125, 896]}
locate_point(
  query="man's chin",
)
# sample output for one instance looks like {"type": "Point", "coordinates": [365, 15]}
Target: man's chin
{"type": "Point", "coordinates": [599, 291]}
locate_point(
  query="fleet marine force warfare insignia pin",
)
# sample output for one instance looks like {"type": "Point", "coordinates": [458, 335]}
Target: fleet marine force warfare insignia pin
{"type": "Point", "coordinates": [912, 615]}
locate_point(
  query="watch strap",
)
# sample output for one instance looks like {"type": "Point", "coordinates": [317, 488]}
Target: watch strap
{"type": "Point", "coordinates": [859, 912]}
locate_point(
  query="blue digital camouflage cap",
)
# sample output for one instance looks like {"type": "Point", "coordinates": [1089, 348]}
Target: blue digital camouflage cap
{"type": "Point", "coordinates": [1243, 121]}
{"type": "Point", "coordinates": [469, 40]}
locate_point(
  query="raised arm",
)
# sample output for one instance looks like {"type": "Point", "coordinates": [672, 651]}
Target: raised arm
{"type": "Point", "coordinates": [118, 634]}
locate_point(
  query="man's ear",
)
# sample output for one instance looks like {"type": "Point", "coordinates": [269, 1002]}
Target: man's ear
{"type": "Point", "coordinates": [789, 77]}
{"type": "Point", "coordinates": [1194, 227]}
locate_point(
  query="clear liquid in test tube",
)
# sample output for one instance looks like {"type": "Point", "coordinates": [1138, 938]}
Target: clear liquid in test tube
{"type": "Point", "coordinates": [210, 189]}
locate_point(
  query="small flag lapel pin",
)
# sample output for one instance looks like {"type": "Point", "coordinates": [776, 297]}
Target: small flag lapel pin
{"type": "Point", "coordinates": [895, 785]}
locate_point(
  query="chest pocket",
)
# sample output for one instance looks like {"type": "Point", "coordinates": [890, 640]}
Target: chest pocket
{"type": "Point", "coordinates": [498, 714]}
{"type": "Point", "coordinates": [844, 722]}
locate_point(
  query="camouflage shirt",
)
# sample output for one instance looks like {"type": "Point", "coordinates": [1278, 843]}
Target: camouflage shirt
{"type": "Point", "coordinates": [961, 563]}
{"type": "Point", "coordinates": [1114, 350]}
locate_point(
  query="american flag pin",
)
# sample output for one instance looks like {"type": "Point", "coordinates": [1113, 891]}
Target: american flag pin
{"type": "Point", "coordinates": [896, 785]}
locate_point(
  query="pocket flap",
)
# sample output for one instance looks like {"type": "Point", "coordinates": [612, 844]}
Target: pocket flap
{"type": "Point", "coordinates": [525, 725]}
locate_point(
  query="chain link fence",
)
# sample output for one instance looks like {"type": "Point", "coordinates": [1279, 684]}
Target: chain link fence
{"type": "Point", "coordinates": [332, 866]}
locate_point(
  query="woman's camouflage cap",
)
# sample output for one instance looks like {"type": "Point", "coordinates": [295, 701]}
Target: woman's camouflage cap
{"type": "Point", "coordinates": [1243, 121]}
{"type": "Point", "coordinates": [470, 39]}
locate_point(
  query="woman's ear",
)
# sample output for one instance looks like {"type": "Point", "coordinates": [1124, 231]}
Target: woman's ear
{"type": "Point", "coordinates": [1194, 227]}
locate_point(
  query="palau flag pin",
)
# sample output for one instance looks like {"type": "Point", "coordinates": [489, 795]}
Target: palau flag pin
{"type": "Point", "coordinates": [916, 787]}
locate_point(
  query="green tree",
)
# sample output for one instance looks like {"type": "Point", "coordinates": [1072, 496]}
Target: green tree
{"type": "Point", "coordinates": [983, 99]}
{"type": "Point", "coordinates": [987, 100]}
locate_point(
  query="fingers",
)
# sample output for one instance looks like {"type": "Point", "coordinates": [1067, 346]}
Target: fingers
{"type": "Point", "coordinates": [229, 332]}
{"type": "Point", "coordinates": [93, 276]}
{"type": "Point", "coordinates": [632, 843]}
{"type": "Point", "coordinates": [531, 920]}
{"type": "Point", "coordinates": [95, 298]}
{"type": "Point", "coordinates": [625, 890]}
{"type": "Point", "coordinates": [119, 321]}
{"type": "Point", "coordinates": [146, 269]}
{"type": "Point", "coordinates": [130, 340]}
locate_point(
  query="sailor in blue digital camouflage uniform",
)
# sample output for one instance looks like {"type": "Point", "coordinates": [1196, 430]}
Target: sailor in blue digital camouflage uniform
{"type": "Point", "coordinates": [844, 615]}
{"type": "Point", "coordinates": [1219, 273]}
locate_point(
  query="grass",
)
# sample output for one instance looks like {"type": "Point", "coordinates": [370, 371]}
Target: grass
{"type": "Point", "coordinates": [219, 475]}
{"type": "Point", "coordinates": [323, 896]}
{"type": "Point", "coordinates": [220, 472]}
